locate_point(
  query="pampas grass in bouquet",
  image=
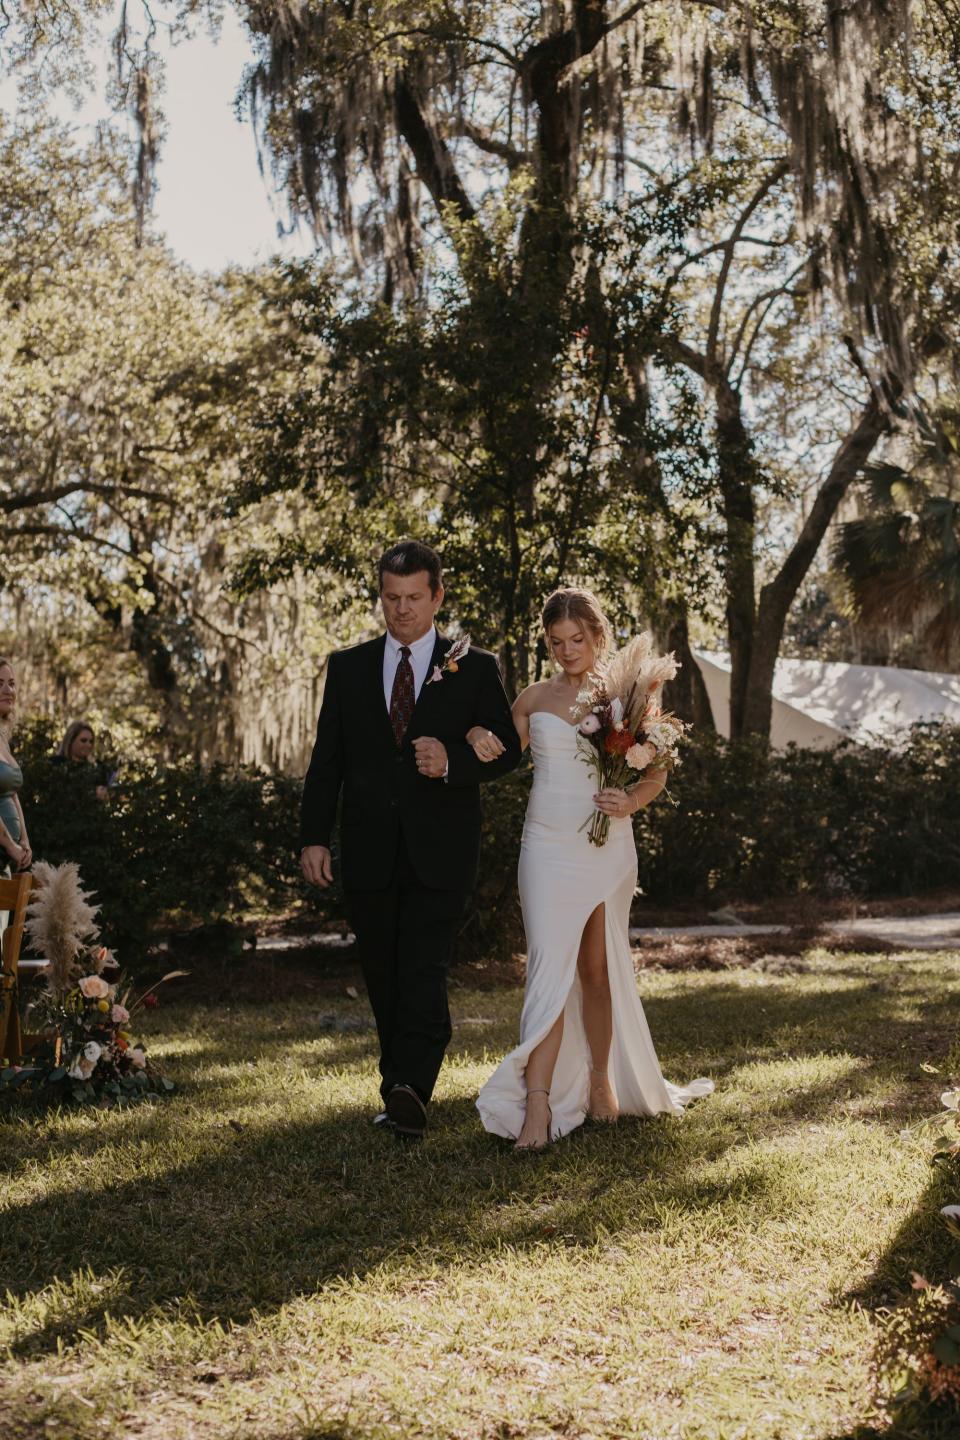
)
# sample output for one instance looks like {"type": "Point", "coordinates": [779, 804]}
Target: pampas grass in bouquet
{"type": "Point", "coordinates": [623, 733]}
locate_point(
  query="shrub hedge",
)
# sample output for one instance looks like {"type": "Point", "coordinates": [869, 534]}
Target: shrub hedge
{"type": "Point", "coordinates": [173, 846]}
{"type": "Point", "coordinates": [180, 844]}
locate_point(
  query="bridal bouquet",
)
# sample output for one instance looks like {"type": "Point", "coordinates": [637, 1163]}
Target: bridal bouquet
{"type": "Point", "coordinates": [622, 731]}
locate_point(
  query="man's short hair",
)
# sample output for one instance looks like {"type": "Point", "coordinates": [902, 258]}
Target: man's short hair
{"type": "Point", "coordinates": [409, 558]}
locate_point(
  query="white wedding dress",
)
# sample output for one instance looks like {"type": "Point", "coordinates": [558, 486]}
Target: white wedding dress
{"type": "Point", "coordinates": [563, 878]}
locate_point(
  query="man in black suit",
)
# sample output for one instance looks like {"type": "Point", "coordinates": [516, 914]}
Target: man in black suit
{"type": "Point", "coordinates": [392, 734]}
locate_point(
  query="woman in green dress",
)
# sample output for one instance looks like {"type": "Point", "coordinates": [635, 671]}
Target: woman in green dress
{"type": "Point", "coordinates": [15, 852]}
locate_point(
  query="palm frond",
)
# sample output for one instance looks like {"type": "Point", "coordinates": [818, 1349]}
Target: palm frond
{"type": "Point", "coordinates": [901, 564]}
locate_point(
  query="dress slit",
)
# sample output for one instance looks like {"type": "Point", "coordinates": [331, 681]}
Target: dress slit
{"type": "Point", "coordinates": [570, 1089]}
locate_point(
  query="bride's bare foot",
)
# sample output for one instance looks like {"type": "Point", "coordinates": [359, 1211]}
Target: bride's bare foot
{"type": "Point", "coordinates": [603, 1102]}
{"type": "Point", "coordinates": [535, 1134]}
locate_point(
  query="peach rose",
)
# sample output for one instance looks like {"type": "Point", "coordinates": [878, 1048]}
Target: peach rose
{"type": "Point", "coordinates": [640, 756]}
{"type": "Point", "coordinates": [138, 1057]}
{"type": "Point", "coordinates": [119, 1014]}
{"type": "Point", "coordinates": [93, 988]}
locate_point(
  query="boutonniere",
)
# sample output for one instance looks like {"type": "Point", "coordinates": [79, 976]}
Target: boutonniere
{"type": "Point", "coordinates": [451, 661]}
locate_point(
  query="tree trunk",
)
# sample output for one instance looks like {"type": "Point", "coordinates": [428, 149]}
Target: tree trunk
{"type": "Point", "coordinates": [737, 472]}
{"type": "Point", "coordinates": [777, 596]}
{"type": "Point", "coordinates": [687, 694]}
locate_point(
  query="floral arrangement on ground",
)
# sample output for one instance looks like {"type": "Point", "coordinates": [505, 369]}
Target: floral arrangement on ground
{"type": "Point", "coordinates": [81, 1047]}
{"type": "Point", "coordinates": [917, 1359]}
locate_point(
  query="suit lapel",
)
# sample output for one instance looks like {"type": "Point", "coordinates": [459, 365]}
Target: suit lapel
{"type": "Point", "coordinates": [376, 654]}
{"type": "Point", "coordinates": [430, 689]}
{"type": "Point", "coordinates": [426, 696]}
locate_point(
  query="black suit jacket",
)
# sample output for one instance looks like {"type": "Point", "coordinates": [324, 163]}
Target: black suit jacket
{"type": "Point", "coordinates": [384, 796]}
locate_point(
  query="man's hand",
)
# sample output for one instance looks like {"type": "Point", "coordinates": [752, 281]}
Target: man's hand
{"type": "Point", "coordinates": [431, 757]}
{"type": "Point", "coordinates": [317, 865]}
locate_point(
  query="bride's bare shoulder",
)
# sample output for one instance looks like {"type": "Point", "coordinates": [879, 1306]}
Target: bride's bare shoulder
{"type": "Point", "coordinates": [527, 700]}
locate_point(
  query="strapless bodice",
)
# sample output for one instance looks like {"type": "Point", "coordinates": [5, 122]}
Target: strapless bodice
{"type": "Point", "coordinates": [557, 760]}
{"type": "Point", "coordinates": [564, 785]}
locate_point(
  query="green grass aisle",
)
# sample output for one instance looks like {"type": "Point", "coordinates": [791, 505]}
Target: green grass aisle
{"type": "Point", "coordinates": [252, 1260]}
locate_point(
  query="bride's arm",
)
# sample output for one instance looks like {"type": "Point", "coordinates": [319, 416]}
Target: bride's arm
{"type": "Point", "coordinates": [620, 804]}
{"type": "Point", "coordinates": [521, 715]}
{"type": "Point", "coordinates": [646, 790]}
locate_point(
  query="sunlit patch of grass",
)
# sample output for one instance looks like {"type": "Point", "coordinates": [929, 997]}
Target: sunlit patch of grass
{"type": "Point", "coordinates": [252, 1259]}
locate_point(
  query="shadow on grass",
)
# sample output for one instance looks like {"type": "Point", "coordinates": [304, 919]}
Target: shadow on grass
{"type": "Point", "coordinates": [282, 1212]}
{"type": "Point", "coordinates": [242, 1220]}
{"type": "Point", "coordinates": [921, 1243]}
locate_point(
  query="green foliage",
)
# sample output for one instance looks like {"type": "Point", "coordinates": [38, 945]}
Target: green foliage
{"type": "Point", "coordinates": [181, 844]}
{"type": "Point", "coordinates": [493, 928]}
{"type": "Point", "coordinates": [750, 822]}
{"type": "Point", "coordinates": [508, 424]}
{"type": "Point", "coordinates": [131, 385]}
{"type": "Point", "coordinates": [175, 844]}
{"type": "Point", "coordinates": [40, 1083]}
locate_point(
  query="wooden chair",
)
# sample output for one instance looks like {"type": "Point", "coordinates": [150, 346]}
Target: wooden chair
{"type": "Point", "coordinates": [15, 897]}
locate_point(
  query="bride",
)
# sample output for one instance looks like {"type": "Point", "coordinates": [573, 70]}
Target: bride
{"type": "Point", "coordinates": [585, 1047]}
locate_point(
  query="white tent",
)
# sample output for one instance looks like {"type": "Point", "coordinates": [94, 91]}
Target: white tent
{"type": "Point", "coordinates": [817, 702]}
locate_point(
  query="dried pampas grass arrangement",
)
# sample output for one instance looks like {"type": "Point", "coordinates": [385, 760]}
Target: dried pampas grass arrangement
{"type": "Point", "coordinates": [628, 675]}
{"type": "Point", "coordinates": [61, 923]}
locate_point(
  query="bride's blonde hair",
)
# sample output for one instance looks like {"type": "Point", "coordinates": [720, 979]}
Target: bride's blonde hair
{"type": "Point", "coordinates": [583, 607]}
{"type": "Point", "coordinates": [6, 726]}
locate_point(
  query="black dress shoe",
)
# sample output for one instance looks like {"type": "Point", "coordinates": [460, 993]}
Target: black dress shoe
{"type": "Point", "coordinates": [407, 1111]}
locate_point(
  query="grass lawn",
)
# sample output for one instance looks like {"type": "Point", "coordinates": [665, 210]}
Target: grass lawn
{"type": "Point", "coordinates": [251, 1259]}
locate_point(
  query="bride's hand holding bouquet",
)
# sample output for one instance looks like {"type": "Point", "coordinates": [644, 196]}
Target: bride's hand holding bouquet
{"type": "Point", "coordinates": [624, 735]}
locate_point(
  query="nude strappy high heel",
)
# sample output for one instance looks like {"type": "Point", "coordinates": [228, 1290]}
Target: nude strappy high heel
{"type": "Point", "coordinates": [537, 1149]}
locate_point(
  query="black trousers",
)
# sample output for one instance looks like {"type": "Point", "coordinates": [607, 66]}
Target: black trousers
{"type": "Point", "coordinates": [405, 937]}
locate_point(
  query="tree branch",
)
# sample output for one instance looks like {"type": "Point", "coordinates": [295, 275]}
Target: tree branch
{"type": "Point", "coordinates": [433, 159]}
{"type": "Point", "coordinates": [766, 299]}
{"type": "Point", "coordinates": [9, 504]}
{"type": "Point", "coordinates": [624, 16]}
{"type": "Point", "coordinates": [680, 353]}
{"type": "Point", "coordinates": [489, 143]}
{"type": "Point", "coordinates": [767, 184]}
{"type": "Point", "coordinates": [848, 462]}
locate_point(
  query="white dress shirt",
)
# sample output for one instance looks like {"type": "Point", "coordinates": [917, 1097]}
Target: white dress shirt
{"type": "Point", "coordinates": [421, 653]}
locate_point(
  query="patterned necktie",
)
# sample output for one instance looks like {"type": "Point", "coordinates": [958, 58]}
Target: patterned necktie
{"type": "Point", "coordinates": [403, 697]}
